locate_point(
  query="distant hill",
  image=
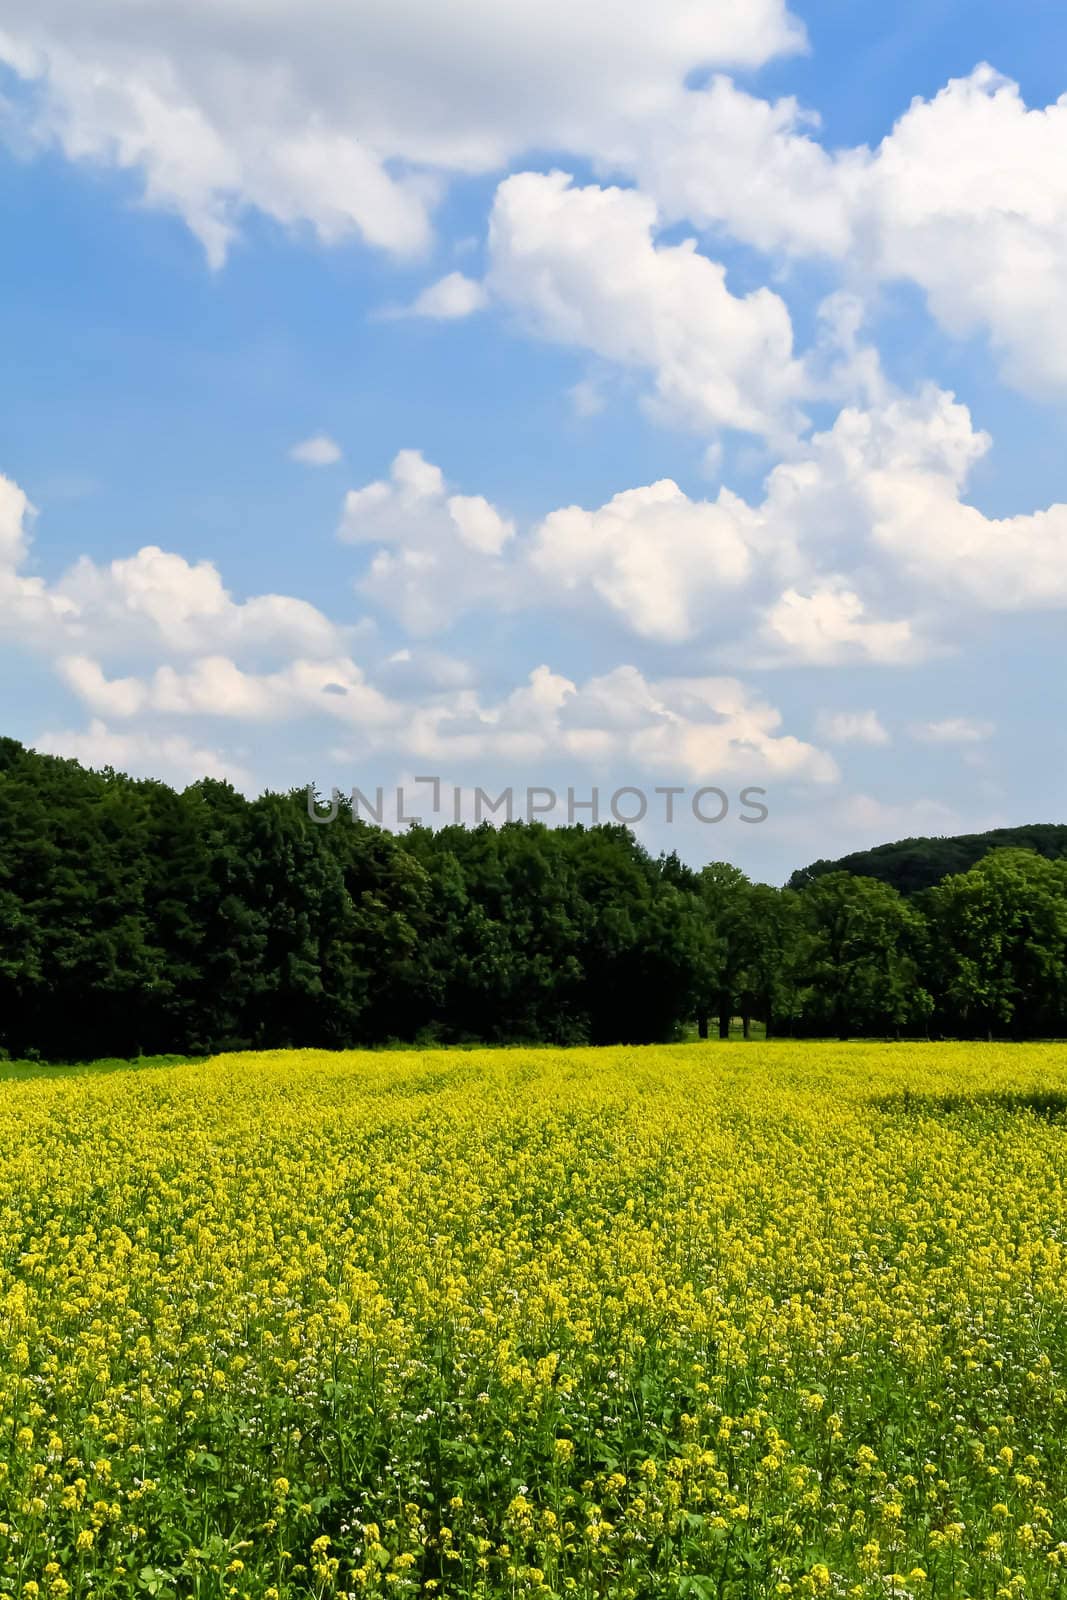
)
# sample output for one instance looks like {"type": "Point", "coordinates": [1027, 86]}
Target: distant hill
{"type": "Point", "coordinates": [914, 864]}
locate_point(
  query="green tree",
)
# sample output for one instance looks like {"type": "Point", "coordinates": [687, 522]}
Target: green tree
{"type": "Point", "coordinates": [722, 889]}
{"type": "Point", "coordinates": [999, 946]}
{"type": "Point", "coordinates": [859, 958]}
{"type": "Point", "coordinates": [764, 933]}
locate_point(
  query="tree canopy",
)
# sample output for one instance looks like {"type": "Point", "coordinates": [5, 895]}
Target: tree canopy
{"type": "Point", "coordinates": [912, 865]}
{"type": "Point", "coordinates": [135, 918]}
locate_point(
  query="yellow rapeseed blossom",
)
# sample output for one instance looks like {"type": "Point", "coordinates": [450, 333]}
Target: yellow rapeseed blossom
{"type": "Point", "coordinates": [787, 1319]}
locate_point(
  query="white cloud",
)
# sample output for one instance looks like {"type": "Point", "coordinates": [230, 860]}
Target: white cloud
{"type": "Point", "coordinates": [28, 609]}
{"type": "Point", "coordinates": [660, 563]}
{"type": "Point", "coordinates": [408, 673]}
{"type": "Point", "coordinates": [318, 451]}
{"type": "Point", "coordinates": [954, 730]}
{"type": "Point", "coordinates": [720, 156]}
{"type": "Point", "coordinates": [860, 538]}
{"type": "Point", "coordinates": [693, 728]}
{"type": "Point", "coordinates": [215, 686]}
{"type": "Point", "coordinates": [851, 727]}
{"type": "Point", "coordinates": [15, 513]}
{"type": "Point", "coordinates": [437, 553]}
{"type": "Point", "coordinates": [155, 598]}
{"type": "Point", "coordinates": [480, 525]}
{"type": "Point", "coordinates": [876, 502]}
{"type": "Point", "coordinates": [799, 567]}
{"type": "Point", "coordinates": [450, 298]}
{"type": "Point", "coordinates": [341, 116]}
{"type": "Point", "coordinates": [908, 464]}
{"type": "Point", "coordinates": [829, 626]}
{"type": "Point", "coordinates": [349, 120]}
{"type": "Point", "coordinates": [966, 197]}
{"type": "Point", "coordinates": [970, 202]}
{"type": "Point", "coordinates": [658, 560]}
{"type": "Point", "coordinates": [696, 728]}
{"type": "Point", "coordinates": [581, 266]}
{"type": "Point", "coordinates": [171, 757]}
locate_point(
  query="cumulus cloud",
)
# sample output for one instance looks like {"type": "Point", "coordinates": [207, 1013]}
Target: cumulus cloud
{"type": "Point", "coordinates": [969, 200]}
{"type": "Point", "coordinates": [153, 599]}
{"type": "Point", "coordinates": [660, 563]}
{"type": "Point", "coordinates": [851, 727]}
{"type": "Point", "coordinates": [171, 757]}
{"type": "Point", "coordinates": [15, 515]}
{"type": "Point", "coordinates": [697, 728]}
{"type": "Point", "coordinates": [966, 197]}
{"type": "Point", "coordinates": [830, 627]}
{"type": "Point", "coordinates": [215, 686]}
{"type": "Point", "coordinates": [343, 117]}
{"type": "Point", "coordinates": [318, 451]}
{"type": "Point", "coordinates": [581, 266]}
{"type": "Point", "coordinates": [450, 299]}
{"type": "Point", "coordinates": [157, 596]}
{"type": "Point", "coordinates": [350, 119]}
{"type": "Point", "coordinates": [720, 156]}
{"type": "Point", "coordinates": [437, 552]}
{"type": "Point", "coordinates": [655, 558]}
{"type": "Point", "coordinates": [872, 506]}
{"type": "Point", "coordinates": [27, 606]}
{"type": "Point", "coordinates": [884, 485]}
{"type": "Point", "coordinates": [908, 464]}
{"type": "Point", "coordinates": [880, 495]}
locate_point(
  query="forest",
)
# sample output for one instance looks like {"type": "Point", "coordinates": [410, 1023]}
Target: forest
{"type": "Point", "coordinates": [136, 919]}
{"type": "Point", "coordinates": [914, 864]}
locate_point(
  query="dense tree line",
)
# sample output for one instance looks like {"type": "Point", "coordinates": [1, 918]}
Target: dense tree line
{"type": "Point", "coordinates": [134, 918]}
{"type": "Point", "coordinates": [911, 865]}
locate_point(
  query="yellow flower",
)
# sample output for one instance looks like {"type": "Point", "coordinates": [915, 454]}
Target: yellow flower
{"type": "Point", "coordinates": [871, 1556]}
{"type": "Point", "coordinates": [624, 1276]}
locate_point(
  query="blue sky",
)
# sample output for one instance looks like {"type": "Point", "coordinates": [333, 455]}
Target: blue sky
{"type": "Point", "coordinates": [817, 348]}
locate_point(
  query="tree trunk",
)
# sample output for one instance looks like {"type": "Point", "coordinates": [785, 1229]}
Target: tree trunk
{"type": "Point", "coordinates": [702, 1025]}
{"type": "Point", "coordinates": [746, 1026]}
{"type": "Point", "coordinates": [725, 1018]}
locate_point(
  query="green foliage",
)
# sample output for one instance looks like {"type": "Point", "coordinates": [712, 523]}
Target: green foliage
{"type": "Point", "coordinates": [912, 865]}
{"type": "Point", "coordinates": [859, 960]}
{"type": "Point", "coordinates": [137, 920]}
{"type": "Point", "coordinates": [1000, 933]}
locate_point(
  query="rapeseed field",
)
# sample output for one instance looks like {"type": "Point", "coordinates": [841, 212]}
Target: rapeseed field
{"type": "Point", "coordinates": [706, 1320]}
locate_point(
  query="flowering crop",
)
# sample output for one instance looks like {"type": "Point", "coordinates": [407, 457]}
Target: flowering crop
{"type": "Point", "coordinates": [688, 1321]}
